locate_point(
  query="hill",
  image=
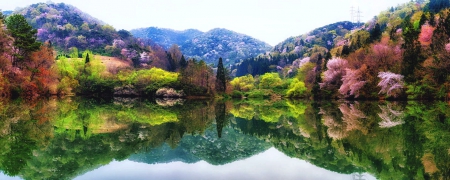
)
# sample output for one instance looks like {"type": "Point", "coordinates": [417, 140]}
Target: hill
{"type": "Point", "coordinates": [166, 37]}
{"type": "Point", "coordinates": [72, 31]}
{"type": "Point", "coordinates": [311, 44]}
{"type": "Point", "coordinates": [66, 26]}
{"type": "Point", "coordinates": [209, 46]}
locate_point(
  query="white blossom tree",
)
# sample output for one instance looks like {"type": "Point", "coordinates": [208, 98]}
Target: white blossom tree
{"type": "Point", "coordinates": [391, 84]}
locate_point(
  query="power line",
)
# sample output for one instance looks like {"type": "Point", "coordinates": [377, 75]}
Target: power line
{"type": "Point", "coordinates": [358, 16]}
{"type": "Point", "coordinates": [352, 14]}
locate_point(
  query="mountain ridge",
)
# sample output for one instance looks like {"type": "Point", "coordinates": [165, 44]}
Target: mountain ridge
{"type": "Point", "coordinates": [209, 45]}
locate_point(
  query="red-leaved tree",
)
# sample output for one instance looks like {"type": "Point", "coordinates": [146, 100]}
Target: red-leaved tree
{"type": "Point", "coordinates": [426, 34]}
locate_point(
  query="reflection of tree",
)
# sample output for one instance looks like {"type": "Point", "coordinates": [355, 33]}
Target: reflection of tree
{"type": "Point", "coordinates": [220, 118]}
{"type": "Point", "coordinates": [269, 111]}
{"type": "Point", "coordinates": [335, 127]}
{"type": "Point", "coordinates": [61, 139]}
{"type": "Point", "coordinates": [24, 127]}
{"type": "Point", "coordinates": [353, 117]}
{"type": "Point", "coordinates": [389, 116]}
{"type": "Point", "coordinates": [230, 147]}
{"type": "Point", "coordinates": [169, 101]}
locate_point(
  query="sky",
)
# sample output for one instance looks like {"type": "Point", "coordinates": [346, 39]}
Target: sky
{"type": "Point", "coordinates": [267, 20]}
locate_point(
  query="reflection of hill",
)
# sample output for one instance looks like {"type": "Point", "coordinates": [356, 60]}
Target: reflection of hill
{"type": "Point", "coordinates": [60, 139]}
{"type": "Point", "coordinates": [391, 140]}
{"type": "Point", "coordinates": [231, 147]}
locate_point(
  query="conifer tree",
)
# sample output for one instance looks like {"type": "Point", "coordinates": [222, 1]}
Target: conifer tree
{"type": "Point", "coordinates": [221, 77]}
{"type": "Point", "coordinates": [25, 38]}
{"type": "Point", "coordinates": [87, 59]}
{"type": "Point", "coordinates": [183, 62]}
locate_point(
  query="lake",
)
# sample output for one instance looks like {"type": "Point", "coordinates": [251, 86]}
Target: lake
{"type": "Point", "coordinates": [122, 138]}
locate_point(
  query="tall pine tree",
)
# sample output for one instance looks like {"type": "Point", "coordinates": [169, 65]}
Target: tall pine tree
{"type": "Point", "coordinates": [183, 62]}
{"type": "Point", "coordinates": [221, 83]}
{"type": "Point", "coordinates": [87, 60]}
{"type": "Point", "coordinates": [25, 38]}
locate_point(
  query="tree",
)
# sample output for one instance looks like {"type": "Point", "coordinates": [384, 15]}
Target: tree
{"type": "Point", "coordinates": [334, 73]}
{"type": "Point", "coordinates": [221, 83]}
{"type": "Point", "coordinates": [244, 83]}
{"type": "Point", "coordinates": [426, 35]}
{"type": "Point", "coordinates": [270, 80]}
{"type": "Point", "coordinates": [391, 84]}
{"type": "Point", "coordinates": [87, 59]}
{"type": "Point", "coordinates": [24, 38]}
{"type": "Point", "coordinates": [437, 5]}
{"type": "Point", "coordinates": [412, 51]}
{"type": "Point", "coordinates": [352, 81]}
{"type": "Point", "coordinates": [375, 33]}
{"type": "Point", "coordinates": [174, 56]}
{"type": "Point", "coordinates": [40, 66]}
{"type": "Point", "coordinates": [5, 49]}
{"type": "Point", "coordinates": [183, 62]}
{"type": "Point", "coordinates": [296, 89]}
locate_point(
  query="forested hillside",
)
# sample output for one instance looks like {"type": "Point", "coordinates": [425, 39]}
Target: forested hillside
{"type": "Point", "coordinates": [318, 41]}
{"type": "Point", "coordinates": [402, 53]}
{"type": "Point", "coordinates": [209, 46]}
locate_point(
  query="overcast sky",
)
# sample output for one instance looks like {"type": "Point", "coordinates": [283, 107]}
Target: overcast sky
{"type": "Point", "coordinates": [268, 20]}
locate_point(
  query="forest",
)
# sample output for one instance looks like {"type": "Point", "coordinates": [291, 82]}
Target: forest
{"type": "Point", "coordinates": [403, 53]}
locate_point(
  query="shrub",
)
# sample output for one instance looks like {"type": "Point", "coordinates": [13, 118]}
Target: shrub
{"type": "Point", "coordinates": [296, 89]}
{"type": "Point", "coordinates": [269, 81]}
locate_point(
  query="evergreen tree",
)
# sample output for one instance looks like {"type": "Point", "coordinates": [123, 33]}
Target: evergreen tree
{"type": "Point", "coordinates": [326, 59]}
{"type": "Point", "coordinates": [375, 33]}
{"type": "Point", "coordinates": [87, 59]}
{"type": "Point", "coordinates": [435, 6]}
{"type": "Point", "coordinates": [316, 88]}
{"type": "Point", "coordinates": [220, 118]}
{"type": "Point", "coordinates": [221, 84]}
{"type": "Point", "coordinates": [24, 38]}
{"type": "Point", "coordinates": [412, 54]}
{"type": "Point", "coordinates": [183, 62]}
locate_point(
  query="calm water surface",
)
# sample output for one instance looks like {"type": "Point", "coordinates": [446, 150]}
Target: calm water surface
{"type": "Point", "coordinates": [75, 138]}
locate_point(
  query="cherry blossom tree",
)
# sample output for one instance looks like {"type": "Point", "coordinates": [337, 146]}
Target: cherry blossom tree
{"type": "Point", "coordinates": [353, 81]}
{"type": "Point", "coordinates": [426, 34]}
{"type": "Point", "coordinates": [335, 72]}
{"type": "Point", "coordinates": [391, 84]}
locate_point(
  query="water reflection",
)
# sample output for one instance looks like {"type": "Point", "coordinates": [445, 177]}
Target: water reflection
{"type": "Point", "coordinates": [65, 138]}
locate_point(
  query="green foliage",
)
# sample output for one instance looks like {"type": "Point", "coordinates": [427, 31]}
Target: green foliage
{"type": "Point", "coordinates": [244, 83]}
{"type": "Point", "coordinates": [221, 82]}
{"type": "Point", "coordinates": [412, 51]}
{"type": "Point", "coordinates": [87, 59]}
{"type": "Point", "coordinates": [73, 52]}
{"type": "Point", "coordinates": [25, 40]}
{"type": "Point", "coordinates": [296, 89]}
{"type": "Point", "coordinates": [236, 94]}
{"type": "Point", "coordinates": [304, 70]}
{"type": "Point", "coordinates": [270, 81]}
{"type": "Point", "coordinates": [435, 6]}
{"type": "Point", "coordinates": [359, 39]}
{"type": "Point", "coordinates": [62, 138]}
{"type": "Point", "coordinates": [148, 80]}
